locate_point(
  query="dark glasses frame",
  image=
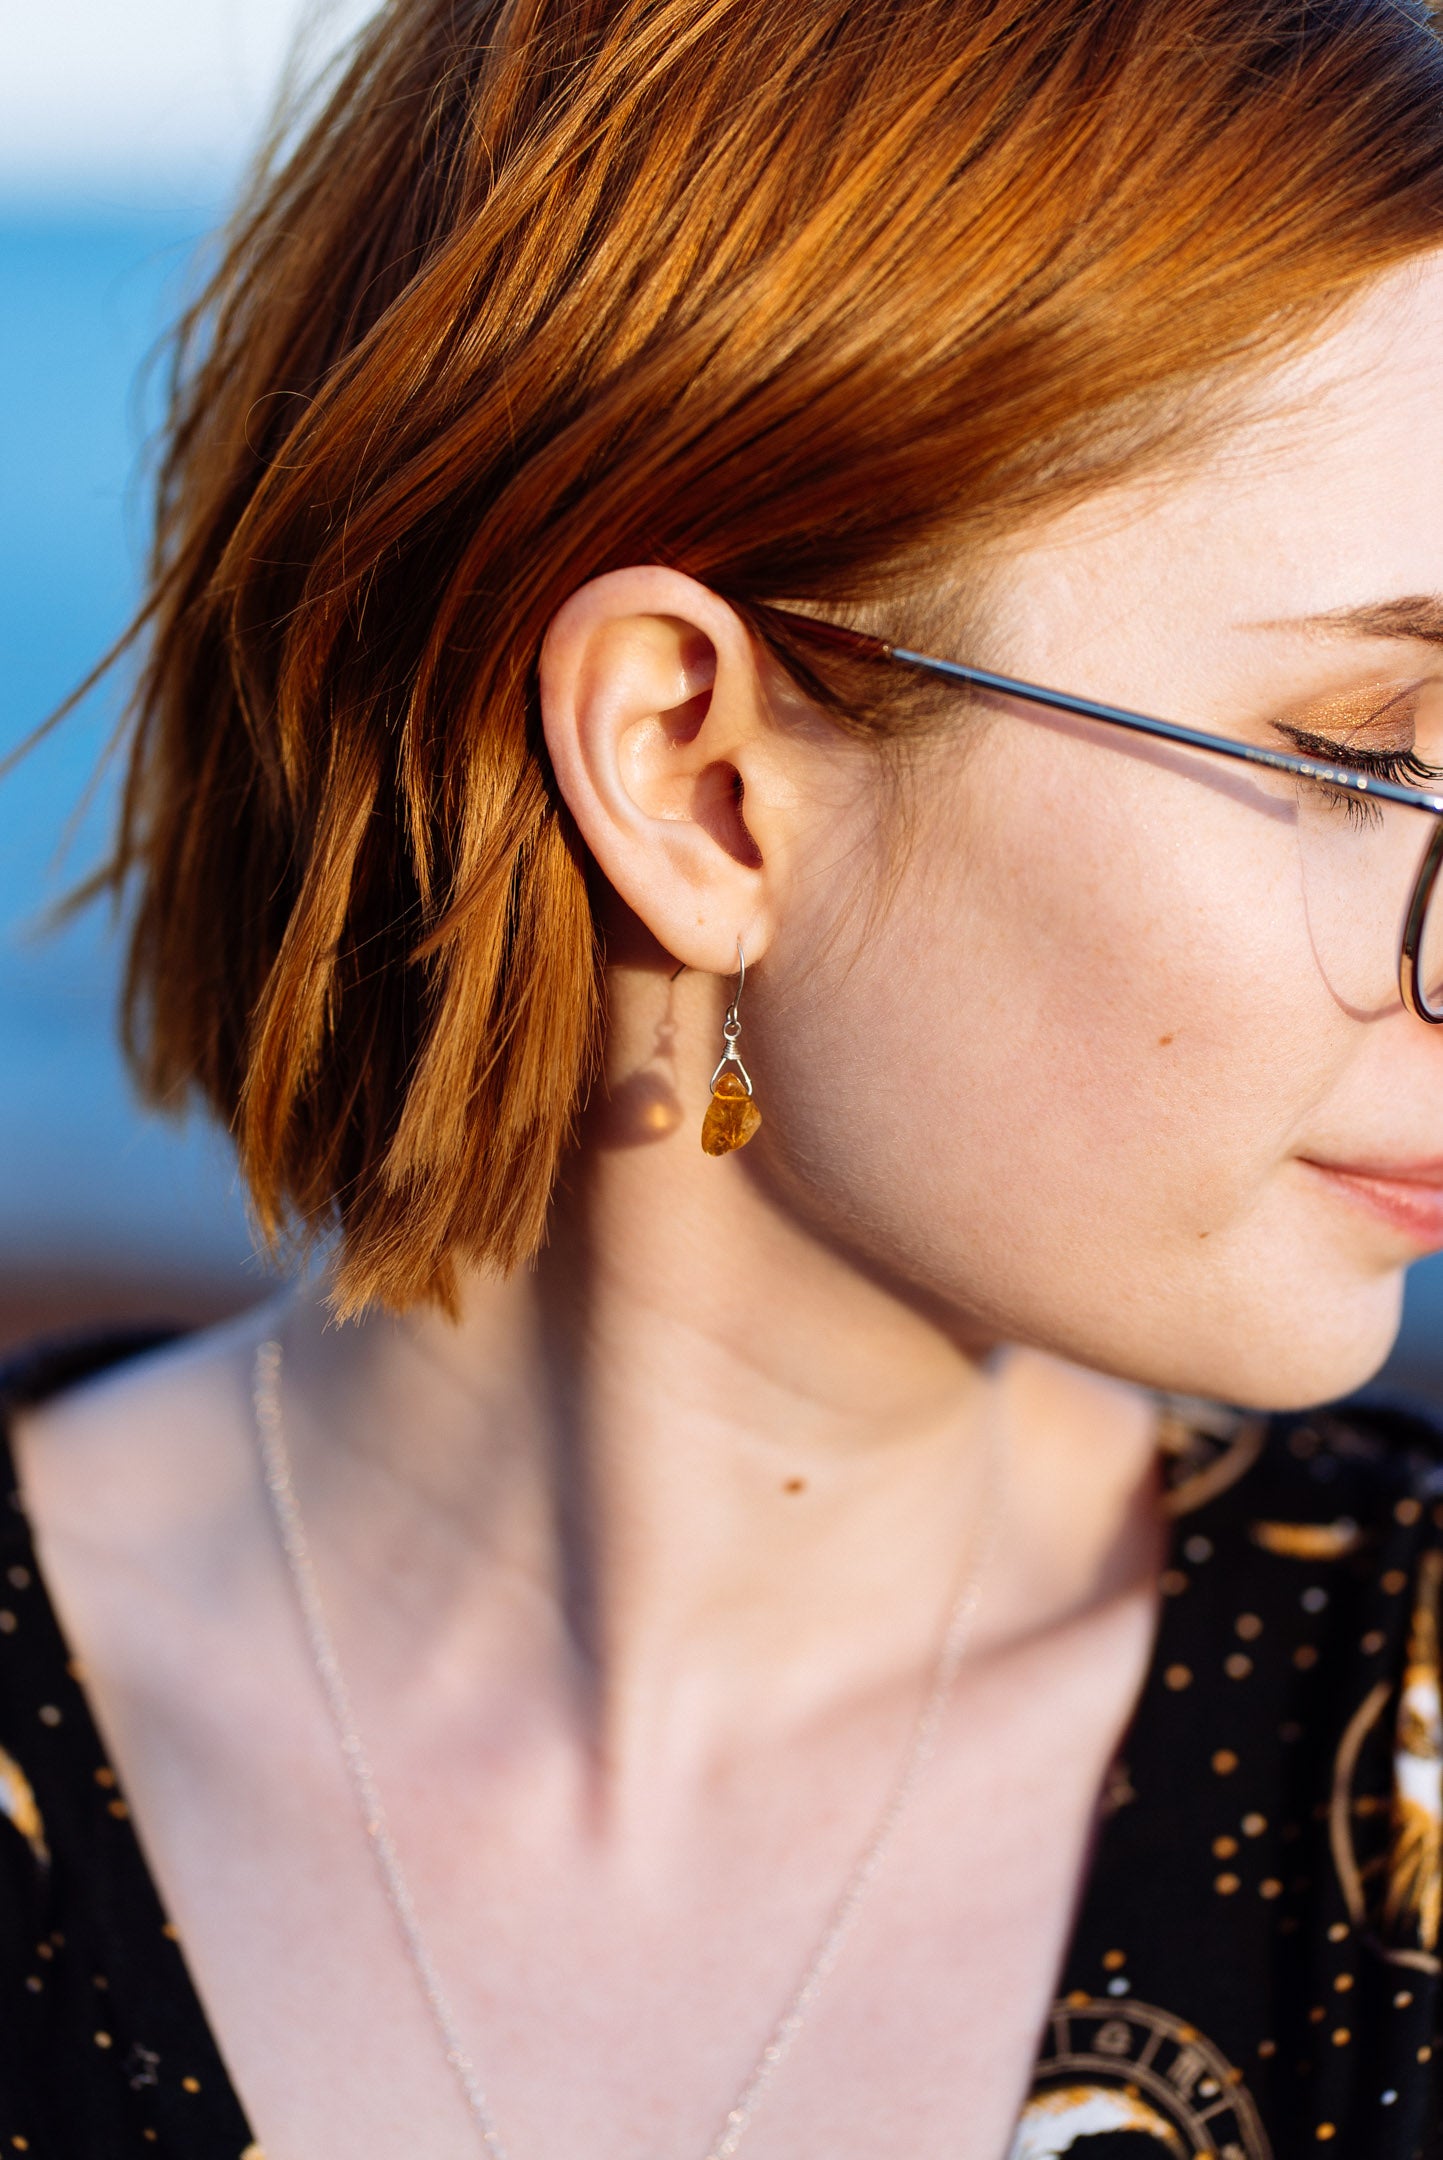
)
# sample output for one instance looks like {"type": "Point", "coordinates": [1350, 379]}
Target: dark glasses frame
{"type": "Point", "coordinates": [1341, 777]}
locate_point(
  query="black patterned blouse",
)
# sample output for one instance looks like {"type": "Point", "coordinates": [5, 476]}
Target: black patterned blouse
{"type": "Point", "coordinates": [1254, 1972]}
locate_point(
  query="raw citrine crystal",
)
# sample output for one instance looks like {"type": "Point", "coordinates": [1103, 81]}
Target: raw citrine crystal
{"type": "Point", "coordinates": [731, 1116]}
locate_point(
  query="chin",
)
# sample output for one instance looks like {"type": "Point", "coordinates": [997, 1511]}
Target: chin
{"type": "Point", "coordinates": [1293, 1353]}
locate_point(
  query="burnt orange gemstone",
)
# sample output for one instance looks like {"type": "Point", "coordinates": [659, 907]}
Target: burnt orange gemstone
{"type": "Point", "coordinates": [731, 1116]}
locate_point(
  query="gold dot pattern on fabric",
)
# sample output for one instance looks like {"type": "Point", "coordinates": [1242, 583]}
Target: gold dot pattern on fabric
{"type": "Point", "coordinates": [1296, 1616]}
{"type": "Point", "coordinates": [1307, 1541]}
{"type": "Point", "coordinates": [18, 1802]}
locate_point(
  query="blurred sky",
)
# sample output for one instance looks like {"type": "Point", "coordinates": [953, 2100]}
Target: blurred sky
{"type": "Point", "coordinates": [122, 102]}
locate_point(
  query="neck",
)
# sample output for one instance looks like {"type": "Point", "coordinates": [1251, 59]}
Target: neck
{"type": "Point", "coordinates": [724, 1474]}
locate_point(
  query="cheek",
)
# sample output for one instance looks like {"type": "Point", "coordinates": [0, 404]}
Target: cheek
{"type": "Point", "coordinates": [1060, 1078]}
{"type": "Point", "coordinates": [1157, 1025]}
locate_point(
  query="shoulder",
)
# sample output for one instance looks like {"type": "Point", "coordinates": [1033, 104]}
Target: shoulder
{"type": "Point", "coordinates": [127, 1476]}
{"type": "Point", "coordinates": [115, 1448]}
{"type": "Point", "coordinates": [121, 1380]}
{"type": "Point", "coordinates": [131, 1490]}
{"type": "Point", "coordinates": [128, 1440]}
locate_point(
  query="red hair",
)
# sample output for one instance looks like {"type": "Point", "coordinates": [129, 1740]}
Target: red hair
{"type": "Point", "coordinates": [807, 301]}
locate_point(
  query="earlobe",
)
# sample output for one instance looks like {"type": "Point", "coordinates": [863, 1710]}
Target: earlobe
{"type": "Point", "coordinates": [655, 719]}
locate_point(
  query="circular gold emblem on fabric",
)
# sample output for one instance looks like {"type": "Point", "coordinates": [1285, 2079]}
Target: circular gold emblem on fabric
{"type": "Point", "coordinates": [1113, 2072]}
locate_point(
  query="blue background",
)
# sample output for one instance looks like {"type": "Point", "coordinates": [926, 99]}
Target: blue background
{"type": "Point", "coordinates": [99, 1206]}
{"type": "Point", "coordinates": [104, 1211]}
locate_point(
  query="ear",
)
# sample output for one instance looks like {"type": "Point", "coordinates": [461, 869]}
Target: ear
{"type": "Point", "coordinates": [661, 736]}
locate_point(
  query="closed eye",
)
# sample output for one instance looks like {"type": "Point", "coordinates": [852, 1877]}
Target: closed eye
{"type": "Point", "coordinates": [1403, 766]}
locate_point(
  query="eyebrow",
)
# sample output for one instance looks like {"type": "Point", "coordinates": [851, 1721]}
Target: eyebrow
{"type": "Point", "coordinates": [1416, 616]}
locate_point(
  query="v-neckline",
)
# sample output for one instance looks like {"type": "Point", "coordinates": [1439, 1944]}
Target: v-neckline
{"type": "Point", "coordinates": [127, 1839]}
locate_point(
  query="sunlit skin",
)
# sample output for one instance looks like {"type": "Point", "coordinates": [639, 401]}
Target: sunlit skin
{"type": "Point", "coordinates": [637, 1569]}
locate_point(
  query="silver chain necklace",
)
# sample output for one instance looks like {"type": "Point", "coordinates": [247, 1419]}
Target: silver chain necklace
{"type": "Point", "coordinates": [920, 1749]}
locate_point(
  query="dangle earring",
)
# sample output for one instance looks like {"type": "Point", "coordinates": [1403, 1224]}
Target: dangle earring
{"type": "Point", "coordinates": [731, 1116]}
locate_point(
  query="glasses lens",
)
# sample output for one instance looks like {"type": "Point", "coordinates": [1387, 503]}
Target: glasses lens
{"type": "Point", "coordinates": [1430, 938]}
{"type": "Point", "coordinates": [1360, 863]}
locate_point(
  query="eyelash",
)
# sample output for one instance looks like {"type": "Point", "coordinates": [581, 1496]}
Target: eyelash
{"type": "Point", "coordinates": [1403, 767]}
{"type": "Point", "coordinates": [1400, 765]}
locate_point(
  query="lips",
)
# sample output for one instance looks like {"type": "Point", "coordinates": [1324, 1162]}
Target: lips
{"type": "Point", "coordinates": [1408, 1196]}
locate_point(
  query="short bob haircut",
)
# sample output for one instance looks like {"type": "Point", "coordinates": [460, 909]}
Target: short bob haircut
{"type": "Point", "coordinates": [811, 301]}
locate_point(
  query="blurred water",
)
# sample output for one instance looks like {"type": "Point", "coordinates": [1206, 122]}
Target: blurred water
{"type": "Point", "coordinates": [84, 1179]}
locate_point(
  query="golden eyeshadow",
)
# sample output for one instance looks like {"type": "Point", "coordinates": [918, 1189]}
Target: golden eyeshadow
{"type": "Point", "coordinates": [1388, 708]}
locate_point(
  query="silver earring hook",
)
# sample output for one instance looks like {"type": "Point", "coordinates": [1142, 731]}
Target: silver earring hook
{"type": "Point", "coordinates": [731, 1030]}
{"type": "Point", "coordinates": [741, 979]}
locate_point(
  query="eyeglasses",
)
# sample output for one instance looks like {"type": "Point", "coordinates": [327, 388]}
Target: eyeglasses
{"type": "Point", "coordinates": [1370, 865]}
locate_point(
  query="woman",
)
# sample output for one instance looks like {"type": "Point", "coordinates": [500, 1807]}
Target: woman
{"type": "Point", "coordinates": [740, 1645]}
